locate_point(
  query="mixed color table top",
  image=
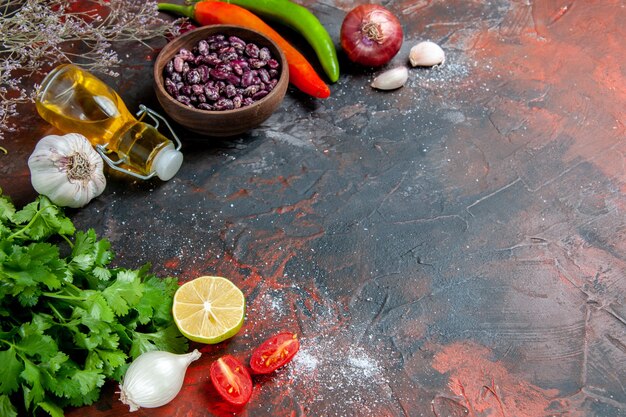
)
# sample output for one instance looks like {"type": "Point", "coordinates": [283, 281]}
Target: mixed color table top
{"type": "Point", "coordinates": [456, 247]}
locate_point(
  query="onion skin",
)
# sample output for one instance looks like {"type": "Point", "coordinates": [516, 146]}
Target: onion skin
{"type": "Point", "coordinates": [371, 35]}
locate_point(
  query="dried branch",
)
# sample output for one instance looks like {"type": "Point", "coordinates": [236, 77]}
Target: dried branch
{"type": "Point", "coordinates": [40, 34]}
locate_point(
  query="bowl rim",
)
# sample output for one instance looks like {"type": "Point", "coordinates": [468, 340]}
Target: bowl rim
{"type": "Point", "coordinates": [160, 62]}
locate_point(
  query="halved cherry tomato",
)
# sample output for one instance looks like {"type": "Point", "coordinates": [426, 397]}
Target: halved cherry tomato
{"type": "Point", "coordinates": [274, 353]}
{"type": "Point", "coordinates": [231, 380]}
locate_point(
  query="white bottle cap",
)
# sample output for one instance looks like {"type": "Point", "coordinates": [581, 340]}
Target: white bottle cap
{"type": "Point", "coordinates": [167, 162]}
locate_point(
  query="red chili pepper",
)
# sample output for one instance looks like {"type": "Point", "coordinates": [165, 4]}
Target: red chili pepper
{"type": "Point", "coordinates": [209, 12]}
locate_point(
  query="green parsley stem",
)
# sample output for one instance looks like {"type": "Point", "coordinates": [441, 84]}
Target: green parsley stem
{"type": "Point", "coordinates": [8, 343]}
{"type": "Point", "coordinates": [56, 313]}
{"type": "Point", "coordinates": [60, 296]}
{"type": "Point", "coordinates": [69, 242]}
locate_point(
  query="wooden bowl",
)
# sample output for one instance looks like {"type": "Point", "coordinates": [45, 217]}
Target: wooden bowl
{"type": "Point", "coordinates": [220, 123]}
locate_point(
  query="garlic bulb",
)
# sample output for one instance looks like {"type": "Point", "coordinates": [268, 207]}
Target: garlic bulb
{"type": "Point", "coordinates": [155, 378]}
{"type": "Point", "coordinates": [67, 170]}
{"type": "Point", "coordinates": [391, 79]}
{"type": "Point", "coordinates": [426, 54]}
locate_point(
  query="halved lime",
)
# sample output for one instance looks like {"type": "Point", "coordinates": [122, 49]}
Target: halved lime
{"type": "Point", "coordinates": [209, 309]}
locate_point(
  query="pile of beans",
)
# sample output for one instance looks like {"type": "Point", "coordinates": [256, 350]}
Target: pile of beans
{"type": "Point", "coordinates": [221, 73]}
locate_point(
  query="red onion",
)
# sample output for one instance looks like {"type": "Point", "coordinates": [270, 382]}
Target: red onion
{"type": "Point", "coordinates": [371, 35]}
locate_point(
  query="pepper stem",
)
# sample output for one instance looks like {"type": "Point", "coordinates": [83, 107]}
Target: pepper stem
{"type": "Point", "coordinates": [187, 11]}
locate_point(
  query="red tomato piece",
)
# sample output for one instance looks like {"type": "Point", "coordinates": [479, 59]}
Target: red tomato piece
{"type": "Point", "coordinates": [231, 380]}
{"type": "Point", "coordinates": [274, 353]}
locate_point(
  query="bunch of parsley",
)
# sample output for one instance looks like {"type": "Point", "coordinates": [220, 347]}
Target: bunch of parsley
{"type": "Point", "coordinates": [68, 322]}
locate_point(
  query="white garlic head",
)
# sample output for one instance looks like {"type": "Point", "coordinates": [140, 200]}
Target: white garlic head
{"type": "Point", "coordinates": [67, 170]}
{"type": "Point", "coordinates": [426, 54]}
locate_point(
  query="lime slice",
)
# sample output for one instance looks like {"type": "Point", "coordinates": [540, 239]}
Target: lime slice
{"type": "Point", "coordinates": [209, 309]}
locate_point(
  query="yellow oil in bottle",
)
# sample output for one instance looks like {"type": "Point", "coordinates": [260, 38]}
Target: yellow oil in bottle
{"type": "Point", "coordinates": [73, 100]}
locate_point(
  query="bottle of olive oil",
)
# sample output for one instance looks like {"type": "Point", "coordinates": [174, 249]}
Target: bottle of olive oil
{"type": "Point", "coordinates": [73, 100]}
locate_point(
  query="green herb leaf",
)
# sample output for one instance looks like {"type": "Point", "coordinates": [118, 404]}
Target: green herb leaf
{"type": "Point", "coordinates": [52, 409]}
{"type": "Point", "coordinates": [9, 371]}
{"type": "Point", "coordinates": [124, 292]}
{"type": "Point", "coordinates": [43, 219]}
{"type": "Point", "coordinates": [164, 339]}
{"type": "Point", "coordinates": [40, 345]}
{"type": "Point", "coordinates": [6, 408]}
{"type": "Point", "coordinates": [7, 210]}
{"type": "Point", "coordinates": [34, 391]}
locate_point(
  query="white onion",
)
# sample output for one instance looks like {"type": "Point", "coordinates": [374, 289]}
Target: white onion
{"type": "Point", "coordinates": [155, 378]}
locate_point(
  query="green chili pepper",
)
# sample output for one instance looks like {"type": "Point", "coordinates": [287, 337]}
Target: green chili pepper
{"type": "Point", "coordinates": [302, 21]}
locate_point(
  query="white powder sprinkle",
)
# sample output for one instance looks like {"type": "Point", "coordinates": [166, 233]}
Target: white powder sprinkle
{"type": "Point", "coordinates": [327, 368]}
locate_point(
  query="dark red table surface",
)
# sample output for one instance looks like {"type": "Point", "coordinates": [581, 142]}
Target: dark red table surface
{"type": "Point", "coordinates": [453, 248]}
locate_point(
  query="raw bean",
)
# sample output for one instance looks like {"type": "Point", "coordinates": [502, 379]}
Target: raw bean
{"type": "Point", "coordinates": [186, 54]}
{"type": "Point", "coordinates": [252, 50]}
{"type": "Point", "coordinates": [237, 43]}
{"type": "Point", "coordinates": [203, 70]}
{"type": "Point", "coordinates": [242, 63]}
{"type": "Point", "coordinates": [217, 45]}
{"type": "Point", "coordinates": [246, 78]}
{"type": "Point", "coordinates": [212, 59]}
{"type": "Point", "coordinates": [260, 94]}
{"type": "Point", "coordinates": [230, 91]}
{"type": "Point", "coordinates": [170, 87]}
{"type": "Point", "coordinates": [203, 47]}
{"type": "Point", "coordinates": [218, 74]}
{"type": "Point", "coordinates": [197, 89]}
{"type": "Point", "coordinates": [224, 104]}
{"type": "Point", "coordinates": [257, 63]}
{"type": "Point", "coordinates": [211, 92]}
{"type": "Point", "coordinates": [184, 99]}
{"type": "Point", "coordinates": [251, 90]}
{"type": "Point", "coordinates": [227, 54]}
{"type": "Point", "coordinates": [169, 68]}
{"type": "Point", "coordinates": [221, 85]}
{"type": "Point", "coordinates": [233, 79]}
{"type": "Point", "coordinates": [215, 38]}
{"type": "Point", "coordinates": [176, 77]}
{"type": "Point", "coordinates": [186, 90]}
{"type": "Point", "coordinates": [237, 69]}
{"type": "Point", "coordinates": [193, 77]}
{"type": "Point", "coordinates": [264, 54]}
{"type": "Point", "coordinates": [178, 64]}
{"type": "Point", "coordinates": [264, 75]}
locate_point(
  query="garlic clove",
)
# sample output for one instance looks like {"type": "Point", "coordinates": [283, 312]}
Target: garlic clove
{"type": "Point", "coordinates": [426, 54]}
{"type": "Point", "coordinates": [391, 79]}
